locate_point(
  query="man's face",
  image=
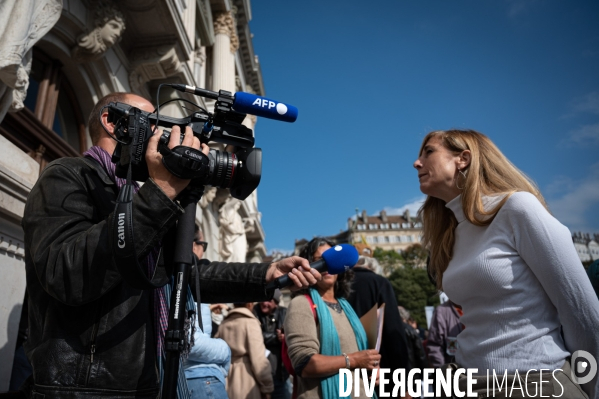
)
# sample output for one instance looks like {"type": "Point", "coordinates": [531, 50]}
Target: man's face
{"type": "Point", "coordinates": [198, 249]}
{"type": "Point", "coordinates": [108, 143]}
{"type": "Point", "coordinates": [139, 102]}
{"type": "Point", "coordinates": [267, 307]}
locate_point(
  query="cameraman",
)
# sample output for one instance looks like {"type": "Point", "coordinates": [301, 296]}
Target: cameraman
{"type": "Point", "coordinates": [92, 334]}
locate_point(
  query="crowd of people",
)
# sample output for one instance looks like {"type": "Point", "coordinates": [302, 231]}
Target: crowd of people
{"type": "Point", "coordinates": [519, 298]}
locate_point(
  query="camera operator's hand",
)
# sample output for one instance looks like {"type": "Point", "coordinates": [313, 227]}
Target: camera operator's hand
{"type": "Point", "coordinates": [170, 184]}
{"type": "Point", "coordinates": [297, 268]}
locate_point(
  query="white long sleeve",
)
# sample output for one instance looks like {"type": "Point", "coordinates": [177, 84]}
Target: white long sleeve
{"type": "Point", "coordinates": [518, 281]}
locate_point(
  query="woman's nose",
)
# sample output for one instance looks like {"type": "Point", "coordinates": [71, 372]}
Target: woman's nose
{"type": "Point", "coordinates": [417, 164]}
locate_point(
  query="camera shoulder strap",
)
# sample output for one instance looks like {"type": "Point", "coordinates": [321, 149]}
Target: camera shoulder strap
{"type": "Point", "coordinates": [122, 243]}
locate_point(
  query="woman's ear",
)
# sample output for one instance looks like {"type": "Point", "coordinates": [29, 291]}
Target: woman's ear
{"type": "Point", "coordinates": [464, 159]}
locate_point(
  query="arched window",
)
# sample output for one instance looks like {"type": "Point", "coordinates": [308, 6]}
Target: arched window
{"type": "Point", "coordinates": [51, 125]}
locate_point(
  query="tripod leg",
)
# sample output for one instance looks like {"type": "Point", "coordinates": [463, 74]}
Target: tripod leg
{"type": "Point", "coordinates": [175, 333]}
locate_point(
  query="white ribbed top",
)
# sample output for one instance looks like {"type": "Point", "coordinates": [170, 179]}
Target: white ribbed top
{"type": "Point", "coordinates": [516, 279]}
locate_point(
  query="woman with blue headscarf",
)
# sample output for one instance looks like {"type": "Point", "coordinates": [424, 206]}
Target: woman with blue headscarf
{"type": "Point", "coordinates": [323, 333]}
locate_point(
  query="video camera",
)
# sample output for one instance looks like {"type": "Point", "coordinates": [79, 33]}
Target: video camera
{"type": "Point", "coordinates": [239, 171]}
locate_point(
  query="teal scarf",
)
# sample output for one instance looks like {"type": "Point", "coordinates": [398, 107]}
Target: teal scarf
{"type": "Point", "coordinates": [329, 339]}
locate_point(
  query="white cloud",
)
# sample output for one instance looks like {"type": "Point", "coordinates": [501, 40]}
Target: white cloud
{"type": "Point", "coordinates": [412, 206]}
{"type": "Point", "coordinates": [585, 135]}
{"type": "Point", "coordinates": [588, 103]}
{"type": "Point", "coordinates": [519, 7]}
{"type": "Point", "coordinates": [573, 208]}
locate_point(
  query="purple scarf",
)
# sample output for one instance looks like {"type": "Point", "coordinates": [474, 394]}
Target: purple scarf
{"type": "Point", "coordinates": [160, 308]}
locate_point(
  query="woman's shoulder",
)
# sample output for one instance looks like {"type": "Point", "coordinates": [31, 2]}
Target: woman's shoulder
{"type": "Point", "coordinates": [300, 301]}
{"type": "Point", "coordinates": [523, 202]}
{"type": "Point", "coordinates": [300, 308]}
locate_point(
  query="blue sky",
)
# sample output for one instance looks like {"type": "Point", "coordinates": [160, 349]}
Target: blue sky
{"type": "Point", "coordinates": [371, 79]}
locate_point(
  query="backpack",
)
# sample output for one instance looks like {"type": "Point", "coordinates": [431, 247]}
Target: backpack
{"type": "Point", "coordinates": [285, 356]}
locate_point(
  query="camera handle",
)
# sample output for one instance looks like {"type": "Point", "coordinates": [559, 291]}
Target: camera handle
{"type": "Point", "coordinates": [183, 259]}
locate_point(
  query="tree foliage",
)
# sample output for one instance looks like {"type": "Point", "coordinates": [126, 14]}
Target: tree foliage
{"type": "Point", "coordinates": [409, 278]}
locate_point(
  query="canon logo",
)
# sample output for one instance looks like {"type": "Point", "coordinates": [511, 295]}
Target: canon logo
{"type": "Point", "coordinates": [193, 155]}
{"type": "Point", "coordinates": [121, 230]}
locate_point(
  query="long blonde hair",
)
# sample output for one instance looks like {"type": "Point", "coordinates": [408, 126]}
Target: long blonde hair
{"type": "Point", "coordinates": [489, 173]}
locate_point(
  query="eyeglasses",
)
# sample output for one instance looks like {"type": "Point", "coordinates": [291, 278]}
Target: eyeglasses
{"type": "Point", "coordinates": [204, 244]}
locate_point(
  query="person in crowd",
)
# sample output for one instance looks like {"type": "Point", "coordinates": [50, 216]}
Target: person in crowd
{"type": "Point", "coordinates": [498, 253]}
{"type": "Point", "coordinates": [100, 333]}
{"type": "Point", "coordinates": [368, 290]}
{"type": "Point", "coordinates": [443, 333]}
{"type": "Point", "coordinates": [218, 312]}
{"type": "Point", "coordinates": [209, 359]}
{"type": "Point", "coordinates": [324, 334]}
{"type": "Point", "coordinates": [272, 317]}
{"type": "Point", "coordinates": [250, 376]}
{"type": "Point", "coordinates": [21, 368]}
{"type": "Point", "coordinates": [593, 273]}
{"type": "Point", "coordinates": [416, 353]}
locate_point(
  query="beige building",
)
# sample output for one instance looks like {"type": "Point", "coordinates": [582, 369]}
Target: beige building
{"type": "Point", "coordinates": [388, 232]}
{"type": "Point", "coordinates": [58, 57]}
{"type": "Point", "coordinates": [587, 246]}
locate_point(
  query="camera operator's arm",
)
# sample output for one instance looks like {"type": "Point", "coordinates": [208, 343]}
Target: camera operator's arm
{"type": "Point", "coordinates": [170, 184]}
{"type": "Point", "coordinates": [67, 229]}
{"type": "Point", "coordinates": [246, 282]}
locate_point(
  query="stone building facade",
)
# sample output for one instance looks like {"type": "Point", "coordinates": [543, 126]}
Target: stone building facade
{"type": "Point", "coordinates": [58, 57]}
{"type": "Point", "coordinates": [587, 246]}
{"type": "Point", "coordinates": [388, 232]}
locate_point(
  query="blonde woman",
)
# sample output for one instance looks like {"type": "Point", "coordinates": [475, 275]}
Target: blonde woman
{"type": "Point", "coordinates": [497, 251]}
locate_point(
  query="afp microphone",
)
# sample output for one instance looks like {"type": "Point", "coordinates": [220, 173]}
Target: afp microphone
{"type": "Point", "coordinates": [260, 106]}
{"type": "Point", "coordinates": [248, 103]}
{"type": "Point", "coordinates": [335, 260]}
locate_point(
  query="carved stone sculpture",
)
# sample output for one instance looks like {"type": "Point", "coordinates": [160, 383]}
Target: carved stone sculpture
{"type": "Point", "coordinates": [153, 63]}
{"type": "Point", "coordinates": [233, 246]}
{"type": "Point", "coordinates": [209, 225]}
{"type": "Point", "coordinates": [23, 23]}
{"type": "Point", "coordinates": [109, 27]}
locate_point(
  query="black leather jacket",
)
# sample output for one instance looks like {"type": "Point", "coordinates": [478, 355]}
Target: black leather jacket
{"type": "Point", "coordinates": [91, 334]}
{"type": "Point", "coordinates": [270, 324]}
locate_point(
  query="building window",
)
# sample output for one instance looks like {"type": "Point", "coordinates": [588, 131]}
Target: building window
{"type": "Point", "coordinates": [370, 240]}
{"type": "Point", "coordinates": [51, 125]}
{"type": "Point", "coordinates": [387, 239]}
{"type": "Point", "coordinates": [405, 225]}
{"type": "Point", "coordinates": [384, 226]}
{"type": "Point", "coordinates": [361, 227]}
{"type": "Point", "coordinates": [395, 225]}
{"type": "Point", "coordinates": [417, 225]}
{"type": "Point", "coordinates": [410, 238]}
{"type": "Point", "coordinates": [372, 226]}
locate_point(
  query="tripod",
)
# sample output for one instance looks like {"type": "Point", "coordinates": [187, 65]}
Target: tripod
{"type": "Point", "coordinates": [183, 259]}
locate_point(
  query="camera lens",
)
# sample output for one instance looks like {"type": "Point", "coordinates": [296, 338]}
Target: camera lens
{"type": "Point", "coordinates": [222, 168]}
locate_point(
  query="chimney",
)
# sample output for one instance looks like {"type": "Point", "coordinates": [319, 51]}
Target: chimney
{"type": "Point", "coordinates": [406, 215]}
{"type": "Point", "coordinates": [364, 216]}
{"type": "Point", "coordinates": [384, 216]}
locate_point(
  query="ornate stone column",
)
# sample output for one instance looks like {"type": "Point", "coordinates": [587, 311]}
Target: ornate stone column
{"type": "Point", "coordinates": [199, 69]}
{"type": "Point", "coordinates": [226, 44]}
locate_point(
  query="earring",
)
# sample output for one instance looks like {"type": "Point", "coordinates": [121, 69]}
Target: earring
{"type": "Point", "coordinates": [456, 180]}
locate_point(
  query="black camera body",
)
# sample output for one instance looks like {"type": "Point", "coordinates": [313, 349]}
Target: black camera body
{"type": "Point", "coordinates": [239, 171]}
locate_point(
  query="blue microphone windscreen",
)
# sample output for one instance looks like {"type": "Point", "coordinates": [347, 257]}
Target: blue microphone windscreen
{"type": "Point", "coordinates": [260, 106]}
{"type": "Point", "coordinates": [340, 258]}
